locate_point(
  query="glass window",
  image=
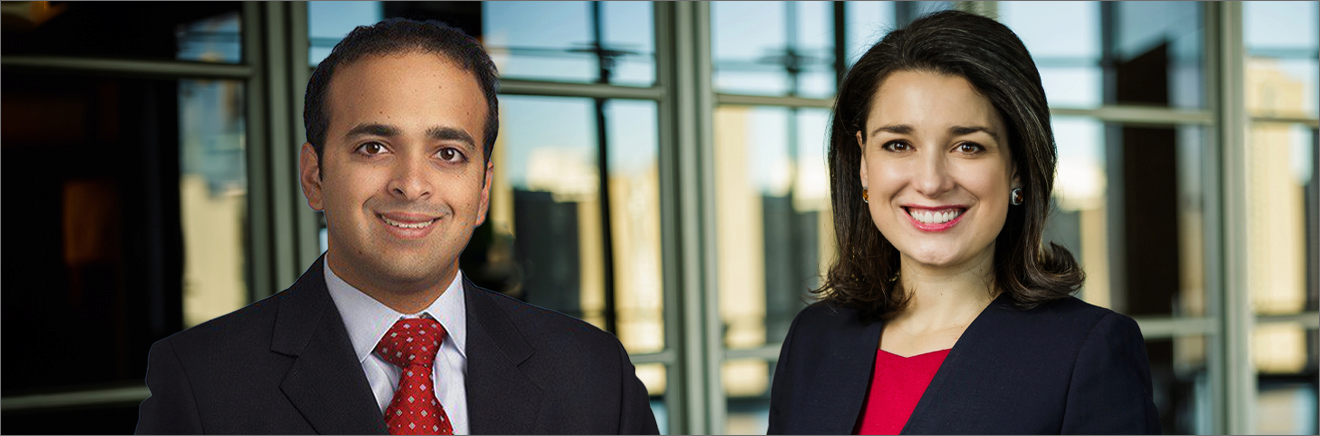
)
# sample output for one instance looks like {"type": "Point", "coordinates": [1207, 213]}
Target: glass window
{"type": "Point", "coordinates": [1181, 383]}
{"type": "Point", "coordinates": [329, 21]}
{"type": "Point", "coordinates": [867, 23]}
{"type": "Point", "coordinates": [197, 31]}
{"type": "Point", "coordinates": [592, 42]}
{"type": "Point", "coordinates": [550, 244]}
{"type": "Point", "coordinates": [1094, 53]}
{"type": "Point", "coordinates": [1281, 42]}
{"type": "Point", "coordinates": [144, 185]}
{"type": "Point", "coordinates": [1064, 40]}
{"type": "Point", "coordinates": [767, 48]}
{"type": "Point", "coordinates": [772, 218]}
{"type": "Point", "coordinates": [747, 393]}
{"type": "Point", "coordinates": [212, 198]}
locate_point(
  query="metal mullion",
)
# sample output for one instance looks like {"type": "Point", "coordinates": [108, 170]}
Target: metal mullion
{"type": "Point", "coordinates": [1168, 327]}
{"type": "Point", "coordinates": [704, 148]}
{"type": "Point", "coordinates": [128, 67]}
{"type": "Point", "coordinates": [1140, 115]}
{"type": "Point", "coordinates": [259, 260]}
{"type": "Point", "coordinates": [667, 357]}
{"type": "Point", "coordinates": [1238, 376]}
{"type": "Point", "coordinates": [768, 353]}
{"type": "Point", "coordinates": [98, 397]}
{"type": "Point", "coordinates": [283, 161]}
{"type": "Point", "coordinates": [1308, 320]}
{"type": "Point", "coordinates": [1308, 122]}
{"type": "Point", "coordinates": [307, 224]}
{"type": "Point", "coordinates": [759, 100]}
{"type": "Point", "coordinates": [674, 243]}
{"type": "Point", "coordinates": [557, 89]}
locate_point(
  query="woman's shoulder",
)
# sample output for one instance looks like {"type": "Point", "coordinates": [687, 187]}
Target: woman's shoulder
{"type": "Point", "coordinates": [1068, 317]}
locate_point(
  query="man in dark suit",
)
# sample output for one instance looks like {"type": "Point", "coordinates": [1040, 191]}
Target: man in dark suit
{"type": "Point", "coordinates": [383, 334]}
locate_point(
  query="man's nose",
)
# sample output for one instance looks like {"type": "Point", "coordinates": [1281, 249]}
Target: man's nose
{"type": "Point", "coordinates": [409, 181]}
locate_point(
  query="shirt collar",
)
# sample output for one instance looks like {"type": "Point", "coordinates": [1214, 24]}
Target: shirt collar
{"type": "Point", "coordinates": [367, 320]}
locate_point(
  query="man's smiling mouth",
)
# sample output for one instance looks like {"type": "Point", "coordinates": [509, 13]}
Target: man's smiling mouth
{"type": "Point", "coordinates": [408, 225]}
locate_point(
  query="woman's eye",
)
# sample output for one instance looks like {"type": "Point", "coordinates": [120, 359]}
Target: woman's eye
{"type": "Point", "coordinates": [371, 148]}
{"type": "Point", "coordinates": [450, 155]}
{"type": "Point", "coordinates": [897, 146]}
{"type": "Point", "coordinates": [970, 148]}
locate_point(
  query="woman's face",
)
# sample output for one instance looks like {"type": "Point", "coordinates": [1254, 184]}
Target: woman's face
{"type": "Point", "coordinates": [937, 168]}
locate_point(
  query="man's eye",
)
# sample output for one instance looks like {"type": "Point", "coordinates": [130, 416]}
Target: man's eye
{"type": "Point", "coordinates": [450, 155]}
{"type": "Point", "coordinates": [371, 148]}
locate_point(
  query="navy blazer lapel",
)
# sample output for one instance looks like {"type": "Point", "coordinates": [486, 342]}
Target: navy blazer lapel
{"type": "Point", "coordinates": [325, 383]}
{"type": "Point", "coordinates": [501, 398]}
{"type": "Point", "coordinates": [959, 361]}
{"type": "Point", "coordinates": [841, 390]}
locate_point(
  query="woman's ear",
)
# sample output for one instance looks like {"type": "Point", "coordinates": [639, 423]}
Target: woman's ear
{"type": "Point", "coordinates": [862, 170]}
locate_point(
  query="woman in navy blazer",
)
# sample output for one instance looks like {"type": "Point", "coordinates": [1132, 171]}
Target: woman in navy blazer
{"type": "Point", "coordinates": [944, 312]}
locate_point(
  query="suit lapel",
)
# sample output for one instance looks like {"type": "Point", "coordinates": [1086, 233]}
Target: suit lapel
{"type": "Point", "coordinates": [501, 398]}
{"type": "Point", "coordinates": [958, 361]}
{"type": "Point", "coordinates": [837, 402]}
{"type": "Point", "coordinates": [325, 383]}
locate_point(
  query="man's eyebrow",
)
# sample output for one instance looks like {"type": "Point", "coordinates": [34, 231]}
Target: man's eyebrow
{"type": "Point", "coordinates": [967, 130]}
{"type": "Point", "coordinates": [898, 129]}
{"type": "Point", "coordinates": [450, 134]}
{"type": "Point", "coordinates": [372, 130]}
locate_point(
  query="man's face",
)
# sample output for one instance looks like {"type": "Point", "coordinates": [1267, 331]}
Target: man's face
{"type": "Point", "coordinates": [402, 179]}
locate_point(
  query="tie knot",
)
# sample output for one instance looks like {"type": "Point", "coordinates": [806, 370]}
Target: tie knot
{"type": "Point", "coordinates": [411, 342]}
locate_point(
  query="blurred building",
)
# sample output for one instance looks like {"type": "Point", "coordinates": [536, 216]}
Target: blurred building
{"type": "Point", "coordinates": [660, 173]}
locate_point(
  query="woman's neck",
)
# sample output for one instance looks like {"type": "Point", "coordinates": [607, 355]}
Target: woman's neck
{"type": "Point", "coordinates": [944, 297]}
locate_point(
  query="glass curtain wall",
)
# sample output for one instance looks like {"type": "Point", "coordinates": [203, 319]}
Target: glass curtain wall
{"type": "Point", "coordinates": [176, 214]}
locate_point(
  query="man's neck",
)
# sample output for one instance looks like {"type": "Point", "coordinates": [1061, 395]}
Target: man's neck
{"type": "Point", "coordinates": [402, 296]}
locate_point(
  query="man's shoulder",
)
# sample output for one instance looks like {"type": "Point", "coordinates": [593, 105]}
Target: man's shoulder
{"type": "Point", "coordinates": [248, 328]}
{"type": "Point", "coordinates": [545, 327]}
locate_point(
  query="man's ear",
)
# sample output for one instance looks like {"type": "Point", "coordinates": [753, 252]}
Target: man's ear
{"type": "Point", "coordinates": [485, 193]}
{"type": "Point", "coordinates": [309, 174]}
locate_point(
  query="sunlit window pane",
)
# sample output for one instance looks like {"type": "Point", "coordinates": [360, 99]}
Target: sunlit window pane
{"type": "Point", "coordinates": [572, 41]}
{"type": "Point", "coordinates": [329, 21]}
{"type": "Point", "coordinates": [212, 198]}
{"type": "Point", "coordinates": [768, 48]}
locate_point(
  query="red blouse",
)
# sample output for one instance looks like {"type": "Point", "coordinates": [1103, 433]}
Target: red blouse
{"type": "Point", "coordinates": [896, 387]}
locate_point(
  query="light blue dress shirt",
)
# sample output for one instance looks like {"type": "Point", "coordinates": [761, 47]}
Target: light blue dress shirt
{"type": "Point", "coordinates": [367, 321]}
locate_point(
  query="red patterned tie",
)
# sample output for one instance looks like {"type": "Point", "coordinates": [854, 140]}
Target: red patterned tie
{"type": "Point", "coordinates": [411, 345]}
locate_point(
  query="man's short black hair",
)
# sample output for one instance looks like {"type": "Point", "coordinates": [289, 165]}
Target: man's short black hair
{"type": "Point", "coordinates": [397, 36]}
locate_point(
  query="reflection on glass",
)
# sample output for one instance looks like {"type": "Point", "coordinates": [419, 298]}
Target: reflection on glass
{"type": "Point", "coordinates": [634, 189]}
{"type": "Point", "coordinates": [329, 21]}
{"type": "Point", "coordinates": [747, 389]}
{"type": "Point", "coordinates": [772, 217]}
{"type": "Point", "coordinates": [1281, 42]}
{"type": "Point", "coordinates": [654, 376]}
{"type": "Point", "coordinates": [212, 198]}
{"type": "Point", "coordinates": [594, 42]}
{"type": "Point", "coordinates": [1133, 190]}
{"type": "Point", "coordinates": [867, 23]}
{"type": "Point", "coordinates": [1280, 172]}
{"type": "Point", "coordinates": [1181, 384]}
{"type": "Point", "coordinates": [546, 199]}
{"type": "Point", "coordinates": [1080, 194]}
{"type": "Point", "coordinates": [214, 39]}
{"type": "Point", "coordinates": [767, 48]}
{"type": "Point", "coordinates": [1093, 53]}
{"type": "Point", "coordinates": [1064, 40]}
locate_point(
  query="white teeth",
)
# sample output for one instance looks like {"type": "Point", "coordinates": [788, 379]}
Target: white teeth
{"type": "Point", "coordinates": [928, 217]}
{"type": "Point", "coordinates": [420, 225]}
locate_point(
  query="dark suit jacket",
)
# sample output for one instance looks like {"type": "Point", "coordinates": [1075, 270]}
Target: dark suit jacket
{"type": "Point", "coordinates": [1062, 367]}
{"type": "Point", "coordinates": [285, 365]}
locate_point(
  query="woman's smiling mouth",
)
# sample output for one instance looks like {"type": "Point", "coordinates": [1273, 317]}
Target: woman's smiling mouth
{"type": "Point", "coordinates": [934, 219]}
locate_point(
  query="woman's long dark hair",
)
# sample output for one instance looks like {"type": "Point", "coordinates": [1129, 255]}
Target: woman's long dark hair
{"type": "Point", "coordinates": [989, 56]}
